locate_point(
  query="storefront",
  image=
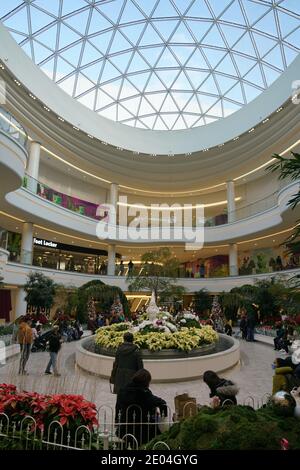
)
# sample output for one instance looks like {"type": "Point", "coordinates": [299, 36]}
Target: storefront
{"type": "Point", "coordinates": [63, 257]}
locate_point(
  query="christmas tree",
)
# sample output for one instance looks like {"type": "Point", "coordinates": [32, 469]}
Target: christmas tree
{"type": "Point", "coordinates": [216, 307]}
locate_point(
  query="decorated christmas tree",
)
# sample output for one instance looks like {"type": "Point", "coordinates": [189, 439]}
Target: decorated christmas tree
{"type": "Point", "coordinates": [91, 308]}
{"type": "Point", "coordinates": [216, 307]}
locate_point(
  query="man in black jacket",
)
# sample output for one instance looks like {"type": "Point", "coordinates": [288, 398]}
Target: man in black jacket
{"type": "Point", "coordinates": [127, 362]}
{"type": "Point", "coordinates": [54, 345]}
{"type": "Point", "coordinates": [137, 409]}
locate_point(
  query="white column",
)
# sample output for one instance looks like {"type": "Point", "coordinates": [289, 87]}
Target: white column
{"type": "Point", "coordinates": [230, 201]}
{"type": "Point", "coordinates": [111, 266]}
{"type": "Point", "coordinates": [27, 242]}
{"type": "Point", "coordinates": [33, 165]}
{"type": "Point", "coordinates": [113, 200]}
{"type": "Point", "coordinates": [21, 304]}
{"type": "Point", "coordinates": [233, 260]}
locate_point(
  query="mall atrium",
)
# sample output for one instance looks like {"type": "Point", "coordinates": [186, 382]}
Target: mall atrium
{"type": "Point", "coordinates": [130, 128]}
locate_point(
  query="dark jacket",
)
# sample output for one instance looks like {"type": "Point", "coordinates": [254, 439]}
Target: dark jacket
{"type": "Point", "coordinates": [225, 390]}
{"type": "Point", "coordinates": [54, 343]}
{"type": "Point", "coordinates": [127, 362]}
{"type": "Point", "coordinates": [135, 412]}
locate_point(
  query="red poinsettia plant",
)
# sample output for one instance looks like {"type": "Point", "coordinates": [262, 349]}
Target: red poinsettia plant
{"type": "Point", "coordinates": [71, 411]}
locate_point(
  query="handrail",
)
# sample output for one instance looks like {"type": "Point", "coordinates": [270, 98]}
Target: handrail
{"type": "Point", "coordinates": [10, 126]}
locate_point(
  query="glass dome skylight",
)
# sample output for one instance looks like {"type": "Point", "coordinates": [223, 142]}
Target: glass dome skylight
{"type": "Point", "coordinates": [158, 64]}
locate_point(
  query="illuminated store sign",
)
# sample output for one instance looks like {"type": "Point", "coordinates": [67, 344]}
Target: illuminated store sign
{"type": "Point", "coordinates": [46, 243]}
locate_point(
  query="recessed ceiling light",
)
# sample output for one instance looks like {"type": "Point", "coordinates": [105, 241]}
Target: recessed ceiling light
{"type": "Point", "coordinates": [47, 109]}
{"type": "Point", "coordinates": [266, 120]}
{"type": "Point", "coordinates": [279, 109]}
{"type": "Point", "coordinates": [252, 130]}
{"type": "Point", "coordinates": [60, 119]}
{"type": "Point", "coordinates": [236, 138]}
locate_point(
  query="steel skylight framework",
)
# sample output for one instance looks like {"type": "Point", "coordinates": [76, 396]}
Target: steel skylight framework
{"type": "Point", "coordinates": [158, 64]}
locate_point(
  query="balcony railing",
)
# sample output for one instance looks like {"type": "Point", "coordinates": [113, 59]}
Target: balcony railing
{"type": "Point", "coordinates": [10, 126]}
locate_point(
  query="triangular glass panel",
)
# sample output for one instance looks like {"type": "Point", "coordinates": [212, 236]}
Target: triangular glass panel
{"type": "Point", "coordinates": [119, 43]}
{"type": "Point", "coordinates": [167, 76]}
{"type": "Point", "coordinates": [78, 21]}
{"type": "Point", "coordinates": [225, 83]}
{"type": "Point", "coordinates": [90, 54]}
{"type": "Point", "coordinates": [245, 46]}
{"type": "Point", "coordinates": [51, 7]}
{"type": "Point", "coordinates": [110, 72]}
{"type": "Point", "coordinates": [39, 19]}
{"type": "Point", "coordinates": [216, 110]}
{"type": "Point", "coordinates": [164, 9]}
{"type": "Point", "coordinates": [121, 61]}
{"type": "Point", "coordinates": [157, 100]}
{"type": "Point", "coordinates": [233, 14]}
{"type": "Point", "coordinates": [255, 11]}
{"type": "Point", "coordinates": [148, 121]}
{"type": "Point", "coordinates": [275, 58]}
{"type": "Point", "coordinates": [113, 89]}
{"type": "Point", "coordinates": [206, 102]}
{"type": "Point", "coordinates": [40, 52]}
{"type": "Point", "coordinates": [93, 71]}
{"type": "Point", "coordinates": [160, 125]}
{"type": "Point", "coordinates": [209, 86]}
{"type": "Point", "coordinates": [103, 100]}
{"type": "Point", "coordinates": [226, 66]}
{"type": "Point", "coordinates": [219, 7]}
{"type": "Point", "coordinates": [264, 44]}
{"type": "Point", "coordinates": [18, 21]}
{"type": "Point", "coordinates": [193, 107]}
{"type": "Point", "coordinates": [133, 104]}
{"type": "Point", "coordinates": [232, 33]}
{"type": "Point", "coordinates": [145, 107]}
{"type": "Point", "coordinates": [169, 105]}
{"type": "Point", "coordinates": [287, 23]}
{"type": "Point", "coordinates": [111, 10]}
{"type": "Point", "coordinates": [292, 5]}
{"type": "Point", "coordinates": [182, 35]}
{"type": "Point", "coordinates": [236, 94]}
{"type": "Point", "coordinates": [123, 113]}
{"type": "Point", "coordinates": [182, 82]}
{"type": "Point", "coordinates": [267, 24]}
{"type": "Point", "coordinates": [255, 77]}
{"type": "Point", "coordinates": [98, 23]}
{"type": "Point", "coordinates": [130, 13]}
{"type": "Point", "coordinates": [6, 8]}
{"type": "Point", "coordinates": [151, 54]}
{"type": "Point", "coordinates": [67, 36]}
{"type": "Point", "coordinates": [190, 120]}
{"type": "Point", "coordinates": [214, 38]}
{"type": "Point", "coordinates": [197, 61]}
{"type": "Point", "coordinates": [290, 55]}
{"type": "Point", "coordinates": [166, 28]}
{"type": "Point", "coordinates": [199, 28]}
{"type": "Point", "coordinates": [197, 77]}
{"type": "Point", "coordinates": [170, 120]}
{"type": "Point", "coordinates": [110, 112]}
{"type": "Point", "coordinates": [48, 68]}
{"type": "Point", "coordinates": [133, 32]}
{"type": "Point", "coordinates": [214, 56]}
{"type": "Point", "coordinates": [154, 84]}
{"type": "Point", "coordinates": [150, 37]}
{"type": "Point", "coordinates": [244, 64]}
{"type": "Point", "coordinates": [101, 41]}
{"type": "Point", "coordinates": [167, 59]}
{"type": "Point", "coordinates": [68, 6]}
{"type": "Point", "coordinates": [147, 6]}
{"type": "Point", "coordinates": [68, 85]}
{"type": "Point", "coordinates": [139, 80]}
{"type": "Point", "coordinates": [199, 9]}
{"type": "Point", "coordinates": [137, 64]}
{"type": "Point", "coordinates": [183, 53]}
{"type": "Point", "coordinates": [251, 92]}
{"type": "Point", "coordinates": [183, 5]}
{"type": "Point", "coordinates": [182, 99]}
{"type": "Point", "coordinates": [72, 54]}
{"type": "Point", "coordinates": [63, 68]}
{"type": "Point", "coordinates": [48, 37]}
{"type": "Point", "coordinates": [294, 38]}
{"type": "Point", "coordinates": [88, 100]}
{"type": "Point", "coordinates": [230, 108]}
{"type": "Point", "coordinates": [127, 90]}
{"type": "Point", "coordinates": [83, 84]}
{"type": "Point", "coordinates": [271, 75]}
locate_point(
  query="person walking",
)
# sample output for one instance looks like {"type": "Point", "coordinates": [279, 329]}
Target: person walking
{"type": "Point", "coordinates": [54, 344]}
{"type": "Point", "coordinates": [127, 362]}
{"type": "Point", "coordinates": [25, 342]}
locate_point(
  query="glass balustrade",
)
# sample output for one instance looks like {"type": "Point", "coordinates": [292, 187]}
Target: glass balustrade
{"type": "Point", "coordinates": [10, 126]}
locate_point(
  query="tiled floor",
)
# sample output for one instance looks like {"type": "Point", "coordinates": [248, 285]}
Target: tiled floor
{"type": "Point", "coordinates": [253, 376]}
